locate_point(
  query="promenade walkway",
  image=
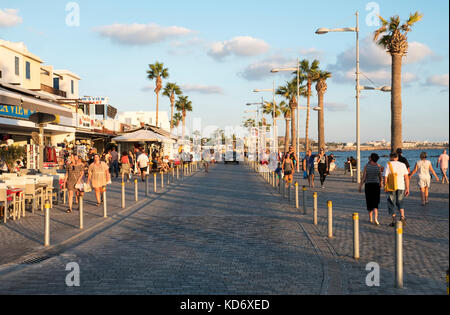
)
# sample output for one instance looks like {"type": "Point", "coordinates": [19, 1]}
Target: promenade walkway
{"type": "Point", "coordinates": [216, 233]}
{"type": "Point", "coordinates": [426, 237]}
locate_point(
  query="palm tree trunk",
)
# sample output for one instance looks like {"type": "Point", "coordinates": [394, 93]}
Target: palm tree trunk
{"type": "Point", "coordinates": [157, 108]}
{"type": "Point", "coordinates": [396, 103]}
{"type": "Point", "coordinates": [307, 117]}
{"type": "Point", "coordinates": [321, 128]}
{"type": "Point", "coordinates": [293, 130]}
{"type": "Point", "coordinates": [286, 136]}
{"type": "Point", "coordinates": [171, 116]}
{"type": "Point", "coordinates": [184, 124]}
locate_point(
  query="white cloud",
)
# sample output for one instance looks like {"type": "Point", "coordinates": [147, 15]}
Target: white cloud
{"type": "Point", "coordinates": [140, 34]}
{"type": "Point", "coordinates": [311, 53]}
{"type": "Point", "coordinates": [333, 106]}
{"type": "Point", "coordinates": [438, 80]}
{"type": "Point", "coordinates": [260, 70]}
{"type": "Point", "coordinates": [240, 46]}
{"type": "Point", "coordinates": [9, 17]}
{"type": "Point", "coordinates": [148, 88]}
{"type": "Point", "coordinates": [203, 89]}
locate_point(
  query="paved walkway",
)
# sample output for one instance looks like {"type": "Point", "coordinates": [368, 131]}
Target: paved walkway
{"type": "Point", "coordinates": [217, 233]}
{"type": "Point", "coordinates": [426, 237]}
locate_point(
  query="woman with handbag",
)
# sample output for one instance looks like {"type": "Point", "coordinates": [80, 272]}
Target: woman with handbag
{"type": "Point", "coordinates": [73, 179]}
{"type": "Point", "coordinates": [98, 177]}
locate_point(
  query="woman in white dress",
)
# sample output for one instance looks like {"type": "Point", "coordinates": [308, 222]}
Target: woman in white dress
{"type": "Point", "coordinates": [423, 169]}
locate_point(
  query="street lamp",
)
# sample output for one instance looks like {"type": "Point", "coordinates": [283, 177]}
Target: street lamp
{"type": "Point", "coordinates": [358, 138]}
{"type": "Point", "coordinates": [275, 136]}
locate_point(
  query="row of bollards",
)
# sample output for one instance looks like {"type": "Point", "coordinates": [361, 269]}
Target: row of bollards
{"type": "Point", "coordinates": [188, 169]}
{"type": "Point", "coordinates": [285, 192]}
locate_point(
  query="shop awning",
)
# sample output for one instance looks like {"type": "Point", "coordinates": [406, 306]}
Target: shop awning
{"type": "Point", "coordinates": [140, 136]}
{"type": "Point", "coordinates": [8, 97]}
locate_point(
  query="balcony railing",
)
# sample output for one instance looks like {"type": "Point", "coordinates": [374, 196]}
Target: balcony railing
{"type": "Point", "coordinates": [52, 90]}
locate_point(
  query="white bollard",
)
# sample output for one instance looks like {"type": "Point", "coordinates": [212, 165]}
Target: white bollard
{"type": "Point", "coordinates": [356, 235]}
{"type": "Point", "coordinates": [330, 219]}
{"type": "Point", "coordinates": [399, 255]}
{"type": "Point", "coordinates": [105, 206]}
{"type": "Point", "coordinates": [81, 212]}
{"type": "Point", "coordinates": [136, 192]}
{"type": "Point", "coordinates": [47, 224]}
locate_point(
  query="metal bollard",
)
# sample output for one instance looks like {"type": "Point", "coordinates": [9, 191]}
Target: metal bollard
{"type": "Point", "coordinates": [146, 186]}
{"type": "Point", "coordinates": [47, 224]}
{"type": "Point", "coordinates": [399, 255]}
{"type": "Point", "coordinates": [162, 180]}
{"type": "Point", "coordinates": [279, 184]}
{"type": "Point", "coordinates": [154, 182]}
{"type": "Point", "coordinates": [330, 219]}
{"type": "Point", "coordinates": [136, 193]}
{"type": "Point", "coordinates": [105, 205]}
{"type": "Point", "coordinates": [289, 192]}
{"type": "Point", "coordinates": [305, 208]}
{"type": "Point", "coordinates": [81, 212]}
{"type": "Point", "coordinates": [315, 208]}
{"type": "Point", "coordinates": [273, 179]}
{"type": "Point", "coordinates": [296, 196]}
{"type": "Point", "coordinates": [356, 235]}
{"type": "Point", "coordinates": [123, 195]}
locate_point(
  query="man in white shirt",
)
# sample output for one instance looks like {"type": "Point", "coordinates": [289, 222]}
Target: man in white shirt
{"type": "Point", "coordinates": [395, 198]}
{"type": "Point", "coordinates": [142, 162]}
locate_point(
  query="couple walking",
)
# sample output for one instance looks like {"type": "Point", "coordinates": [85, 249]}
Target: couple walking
{"type": "Point", "coordinates": [323, 166]}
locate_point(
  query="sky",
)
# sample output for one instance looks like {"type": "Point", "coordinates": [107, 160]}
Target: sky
{"type": "Point", "coordinates": [219, 52]}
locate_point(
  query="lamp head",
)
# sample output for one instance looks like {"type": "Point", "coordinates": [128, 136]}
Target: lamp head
{"type": "Point", "coordinates": [386, 89]}
{"type": "Point", "coordinates": [322, 30]}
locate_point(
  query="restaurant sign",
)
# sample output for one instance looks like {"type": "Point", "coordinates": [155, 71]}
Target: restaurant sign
{"type": "Point", "coordinates": [15, 112]}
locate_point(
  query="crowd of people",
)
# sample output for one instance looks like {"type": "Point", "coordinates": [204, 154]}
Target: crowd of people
{"type": "Point", "coordinates": [393, 178]}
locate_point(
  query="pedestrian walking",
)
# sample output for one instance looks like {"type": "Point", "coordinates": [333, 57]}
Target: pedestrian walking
{"type": "Point", "coordinates": [403, 160]}
{"type": "Point", "coordinates": [423, 168]}
{"type": "Point", "coordinates": [126, 166]}
{"type": "Point", "coordinates": [288, 168]}
{"type": "Point", "coordinates": [73, 179]}
{"type": "Point", "coordinates": [373, 182]}
{"type": "Point", "coordinates": [206, 157]}
{"type": "Point", "coordinates": [114, 162]}
{"type": "Point", "coordinates": [443, 163]}
{"type": "Point", "coordinates": [308, 166]}
{"type": "Point", "coordinates": [143, 162]}
{"type": "Point", "coordinates": [98, 177]}
{"type": "Point", "coordinates": [322, 166]}
{"type": "Point", "coordinates": [396, 178]}
{"type": "Point", "coordinates": [293, 156]}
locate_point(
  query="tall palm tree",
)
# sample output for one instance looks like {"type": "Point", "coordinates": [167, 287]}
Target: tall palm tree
{"type": "Point", "coordinates": [158, 72]}
{"type": "Point", "coordinates": [321, 88]}
{"type": "Point", "coordinates": [286, 111]}
{"type": "Point", "coordinates": [183, 105]}
{"type": "Point", "coordinates": [249, 123]}
{"type": "Point", "coordinates": [170, 91]}
{"type": "Point", "coordinates": [308, 72]}
{"type": "Point", "coordinates": [394, 40]}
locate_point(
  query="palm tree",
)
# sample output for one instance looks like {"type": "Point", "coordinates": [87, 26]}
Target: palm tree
{"type": "Point", "coordinates": [183, 105]}
{"type": "Point", "coordinates": [286, 111]}
{"type": "Point", "coordinates": [321, 88]}
{"type": "Point", "coordinates": [177, 119]}
{"type": "Point", "coordinates": [158, 72]}
{"type": "Point", "coordinates": [249, 123]}
{"type": "Point", "coordinates": [308, 73]}
{"type": "Point", "coordinates": [395, 42]}
{"type": "Point", "coordinates": [170, 91]}
{"type": "Point", "coordinates": [289, 92]}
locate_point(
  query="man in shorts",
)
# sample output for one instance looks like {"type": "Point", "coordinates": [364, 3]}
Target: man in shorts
{"type": "Point", "coordinates": [308, 166]}
{"type": "Point", "coordinates": [206, 157]}
{"type": "Point", "coordinates": [443, 163]}
{"type": "Point", "coordinates": [142, 162]}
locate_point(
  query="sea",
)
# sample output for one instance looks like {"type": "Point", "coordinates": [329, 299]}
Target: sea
{"type": "Point", "coordinates": [411, 155]}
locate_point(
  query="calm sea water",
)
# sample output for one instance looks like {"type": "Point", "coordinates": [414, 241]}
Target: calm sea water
{"type": "Point", "coordinates": [411, 155]}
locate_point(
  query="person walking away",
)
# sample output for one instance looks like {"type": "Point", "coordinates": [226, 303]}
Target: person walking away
{"type": "Point", "coordinates": [206, 158]}
{"type": "Point", "coordinates": [288, 169]}
{"type": "Point", "coordinates": [403, 160]}
{"type": "Point", "coordinates": [331, 163]}
{"type": "Point", "coordinates": [323, 166]}
{"type": "Point", "coordinates": [73, 178]}
{"type": "Point", "coordinates": [293, 157]}
{"type": "Point", "coordinates": [443, 162]}
{"type": "Point", "coordinates": [423, 168]}
{"type": "Point", "coordinates": [396, 178]}
{"type": "Point", "coordinates": [308, 166]}
{"type": "Point", "coordinates": [126, 166]}
{"type": "Point", "coordinates": [114, 162]}
{"type": "Point", "coordinates": [373, 182]}
{"type": "Point", "coordinates": [98, 177]}
{"type": "Point", "coordinates": [142, 162]}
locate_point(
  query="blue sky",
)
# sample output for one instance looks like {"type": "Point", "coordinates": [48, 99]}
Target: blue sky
{"type": "Point", "coordinates": [221, 51]}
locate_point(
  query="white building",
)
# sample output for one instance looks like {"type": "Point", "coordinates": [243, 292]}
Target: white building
{"type": "Point", "coordinates": [136, 118]}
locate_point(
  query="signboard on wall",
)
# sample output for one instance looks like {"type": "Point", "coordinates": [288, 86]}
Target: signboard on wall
{"type": "Point", "coordinates": [15, 112]}
{"type": "Point", "coordinates": [96, 100]}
